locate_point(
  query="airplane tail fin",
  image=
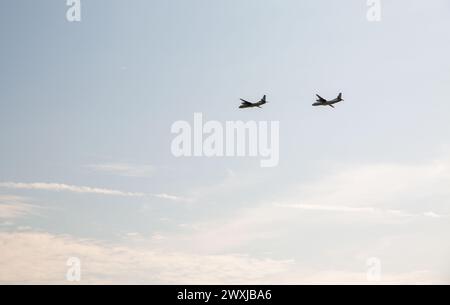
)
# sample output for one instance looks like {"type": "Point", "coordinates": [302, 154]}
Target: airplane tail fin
{"type": "Point", "coordinates": [264, 99]}
{"type": "Point", "coordinates": [340, 96]}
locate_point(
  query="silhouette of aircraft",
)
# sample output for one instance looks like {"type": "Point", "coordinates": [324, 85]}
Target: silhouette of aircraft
{"type": "Point", "coordinates": [323, 102]}
{"type": "Point", "coordinates": [247, 104]}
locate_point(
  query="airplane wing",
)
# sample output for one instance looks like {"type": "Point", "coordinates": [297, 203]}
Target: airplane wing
{"type": "Point", "coordinates": [245, 102]}
{"type": "Point", "coordinates": [321, 98]}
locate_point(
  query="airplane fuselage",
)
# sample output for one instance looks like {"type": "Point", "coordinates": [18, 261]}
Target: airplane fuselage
{"type": "Point", "coordinates": [254, 105]}
{"type": "Point", "coordinates": [247, 104]}
{"type": "Point", "coordinates": [327, 103]}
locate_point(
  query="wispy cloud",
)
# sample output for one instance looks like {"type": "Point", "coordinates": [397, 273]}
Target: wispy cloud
{"type": "Point", "coordinates": [434, 215]}
{"type": "Point", "coordinates": [172, 197]}
{"type": "Point", "coordinates": [12, 207]}
{"type": "Point", "coordinates": [328, 208]}
{"type": "Point", "coordinates": [57, 187]}
{"type": "Point", "coordinates": [346, 209]}
{"type": "Point", "coordinates": [124, 169]}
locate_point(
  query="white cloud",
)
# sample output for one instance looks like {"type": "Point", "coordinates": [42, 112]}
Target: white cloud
{"type": "Point", "coordinates": [121, 264]}
{"type": "Point", "coordinates": [172, 197]}
{"type": "Point", "coordinates": [387, 194]}
{"type": "Point", "coordinates": [432, 215]}
{"type": "Point", "coordinates": [328, 223]}
{"type": "Point", "coordinates": [320, 232]}
{"type": "Point", "coordinates": [124, 169]}
{"type": "Point", "coordinates": [6, 224]}
{"type": "Point", "coordinates": [327, 208]}
{"type": "Point", "coordinates": [57, 187]}
{"type": "Point", "coordinates": [12, 207]}
{"type": "Point", "coordinates": [28, 257]}
{"type": "Point", "coordinates": [361, 210]}
{"type": "Point", "coordinates": [157, 237]}
{"type": "Point", "coordinates": [405, 190]}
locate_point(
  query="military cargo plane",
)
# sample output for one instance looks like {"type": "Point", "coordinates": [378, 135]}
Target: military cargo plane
{"type": "Point", "coordinates": [247, 104]}
{"type": "Point", "coordinates": [323, 102]}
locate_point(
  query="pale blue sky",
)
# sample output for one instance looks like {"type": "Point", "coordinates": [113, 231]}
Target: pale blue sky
{"type": "Point", "coordinates": [82, 101]}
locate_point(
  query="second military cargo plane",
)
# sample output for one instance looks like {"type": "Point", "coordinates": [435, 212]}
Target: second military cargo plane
{"type": "Point", "coordinates": [247, 104]}
{"type": "Point", "coordinates": [323, 102]}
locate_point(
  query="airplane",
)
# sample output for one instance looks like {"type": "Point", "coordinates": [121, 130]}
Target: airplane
{"type": "Point", "coordinates": [323, 102]}
{"type": "Point", "coordinates": [247, 104]}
